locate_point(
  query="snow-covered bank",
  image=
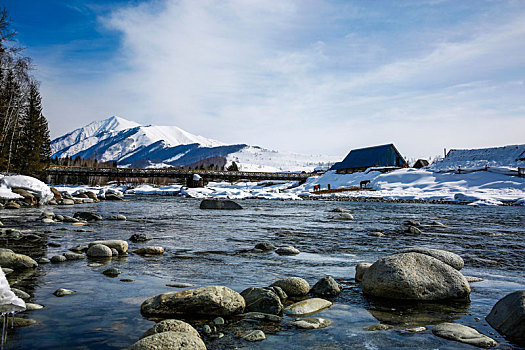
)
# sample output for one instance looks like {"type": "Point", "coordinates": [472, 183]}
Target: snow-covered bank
{"type": "Point", "coordinates": [224, 190]}
{"type": "Point", "coordinates": [493, 187]}
{"type": "Point", "coordinates": [481, 187]}
{"type": "Point", "coordinates": [27, 183]}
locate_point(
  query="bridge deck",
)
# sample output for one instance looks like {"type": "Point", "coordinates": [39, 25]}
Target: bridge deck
{"type": "Point", "coordinates": [175, 173]}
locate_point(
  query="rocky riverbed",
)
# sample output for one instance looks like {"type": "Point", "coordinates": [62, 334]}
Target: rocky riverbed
{"type": "Point", "coordinates": [109, 266]}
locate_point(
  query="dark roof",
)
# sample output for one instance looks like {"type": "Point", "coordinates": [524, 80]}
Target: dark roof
{"type": "Point", "coordinates": [420, 163]}
{"type": "Point", "coordinates": [369, 157]}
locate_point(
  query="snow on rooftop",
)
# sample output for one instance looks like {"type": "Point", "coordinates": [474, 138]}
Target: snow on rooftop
{"type": "Point", "coordinates": [512, 156]}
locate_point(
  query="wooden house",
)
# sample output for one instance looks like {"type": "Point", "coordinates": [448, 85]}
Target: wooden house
{"type": "Point", "coordinates": [364, 158]}
{"type": "Point", "coordinates": [420, 163]}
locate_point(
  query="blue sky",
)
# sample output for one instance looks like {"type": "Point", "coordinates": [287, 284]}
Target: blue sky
{"type": "Point", "coordinates": [303, 76]}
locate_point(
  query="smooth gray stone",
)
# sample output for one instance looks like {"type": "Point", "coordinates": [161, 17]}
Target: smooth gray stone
{"type": "Point", "coordinates": [463, 334]}
{"type": "Point", "coordinates": [508, 316]}
{"type": "Point", "coordinates": [220, 204]}
{"type": "Point", "coordinates": [393, 277]}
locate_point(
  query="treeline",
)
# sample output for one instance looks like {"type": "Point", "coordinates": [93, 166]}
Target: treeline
{"type": "Point", "coordinates": [24, 134]}
{"type": "Point", "coordinates": [83, 162]}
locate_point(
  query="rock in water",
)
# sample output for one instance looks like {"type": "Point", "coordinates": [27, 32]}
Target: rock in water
{"type": "Point", "coordinates": [463, 334]}
{"type": "Point", "coordinates": [255, 335]}
{"type": "Point", "coordinates": [87, 216]}
{"type": "Point", "coordinates": [169, 341]}
{"type": "Point", "coordinates": [16, 261]}
{"type": "Point", "coordinates": [289, 250]}
{"type": "Point", "coordinates": [326, 286]}
{"type": "Point", "coordinates": [343, 216]}
{"type": "Point", "coordinates": [120, 245]}
{"type": "Point", "coordinates": [117, 217]}
{"type": "Point", "coordinates": [204, 301]}
{"type": "Point", "coordinates": [293, 286]}
{"type": "Point", "coordinates": [140, 237]}
{"type": "Point", "coordinates": [171, 325]}
{"type": "Point", "coordinates": [449, 258]}
{"type": "Point", "coordinates": [264, 246]}
{"type": "Point", "coordinates": [306, 307]}
{"type": "Point", "coordinates": [149, 250]}
{"type": "Point", "coordinates": [99, 251]}
{"type": "Point", "coordinates": [414, 276]}
{"type": "Point", "coordinates": [311, 323]}
{"type": "Point", "coordinates": [508, 316]}
{"type": "Point", "coordinates": [219, 204]}
{"type": "Point", "coordinates": [62, 292]}
{"type": "Point", "coordinates": [262, 300]}
{"type": "Point", "coordinates": [360, 270]}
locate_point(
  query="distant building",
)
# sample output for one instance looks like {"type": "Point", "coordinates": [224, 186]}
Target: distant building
{"type": "Point", "coordinates": [421, 163]}
{"type": "Point", "coordinates": [364, 158]}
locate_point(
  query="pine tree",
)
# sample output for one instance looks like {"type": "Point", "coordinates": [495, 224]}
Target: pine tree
{"type": "Point", "coordinates": [35, 146]}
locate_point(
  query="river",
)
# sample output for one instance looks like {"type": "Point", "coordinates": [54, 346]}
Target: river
{"type": "Point", "coordinates": [205, 247]}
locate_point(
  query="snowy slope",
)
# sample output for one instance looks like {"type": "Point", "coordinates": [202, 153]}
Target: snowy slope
{"type": "Point", "coordinates": [507, 156]}
{"type": "Point", "coordinates": [133, 145]}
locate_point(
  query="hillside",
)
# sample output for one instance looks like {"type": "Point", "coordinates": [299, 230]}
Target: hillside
{"type": "Point", "coordinates": [134, 145]}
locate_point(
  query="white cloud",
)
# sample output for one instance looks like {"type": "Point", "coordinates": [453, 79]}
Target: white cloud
{"type": "Point", "coordinates": [283, 75]}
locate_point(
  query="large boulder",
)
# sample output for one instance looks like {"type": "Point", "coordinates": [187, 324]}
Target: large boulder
{"type": "Point", "coordinates": [120, 245]}
{"type": "Point", "coordinates": [204, 301]}
{"type": "Point", "coordinates": [508, 316]}
{"type": "Point", "coordinates": [293, 286]}
{"type": "Point", "coordinates": [463, 334]}
{"type": "Point", "coordinates": [16, 261]}
{"type": "Point", "coordinates": [171, 325]}
{"type": "Point", "coordinates": [262, 300]}
{"type": "Point", "coordinates": [449, 258]}
{"type": "Point", "coordinates": [414, 276]}
{"type": "Point", "coordinates": [219, 204]}
{"type": "Point", "coordinates": [169, 341]}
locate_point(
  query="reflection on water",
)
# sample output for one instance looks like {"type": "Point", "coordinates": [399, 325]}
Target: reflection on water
{"type": "Point", "coordinates": [214, 248]}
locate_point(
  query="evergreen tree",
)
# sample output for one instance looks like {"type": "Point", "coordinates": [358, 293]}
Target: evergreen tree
{"type": "Point", "coordinates": [35, 149]}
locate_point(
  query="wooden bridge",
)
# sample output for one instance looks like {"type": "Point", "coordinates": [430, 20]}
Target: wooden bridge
{"type": "Point", "coordinates": [121, 173]}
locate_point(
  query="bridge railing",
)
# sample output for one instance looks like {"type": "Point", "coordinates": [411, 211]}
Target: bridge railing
{"type": "Point", "coordinates": [173, 172]}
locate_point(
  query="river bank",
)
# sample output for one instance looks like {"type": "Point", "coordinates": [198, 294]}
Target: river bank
{"type": "Point", "coordinates": [205, 248]}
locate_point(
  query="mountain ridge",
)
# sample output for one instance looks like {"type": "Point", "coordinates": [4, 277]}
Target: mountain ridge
{"type": "Point", "coordinates": [133, 145]}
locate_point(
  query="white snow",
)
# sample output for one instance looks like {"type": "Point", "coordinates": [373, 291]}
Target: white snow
{"type": "Point", "coordinates": [117, 138]}
{"type": "Point", "coordinates": [9, 302]}
{"type": "Point", "coordinates": [260, 159]}
{"type": "Point", "coordinates": [481, 187]}
{"type": "Point", "coordinates": [510, 157]}
{"type": "Point", "coordinates": [30, 184]}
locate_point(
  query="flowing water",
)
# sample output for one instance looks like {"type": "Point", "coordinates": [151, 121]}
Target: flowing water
{"type": "Point", "coordinates": [205, 247]}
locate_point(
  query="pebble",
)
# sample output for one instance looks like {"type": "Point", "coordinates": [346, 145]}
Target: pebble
{"type": "Point", "coordinates": [218, 321]}
{"type": "Point", "coordinates": [289, 250]}
{"type": "Point", "coordinates": [62, 292]}
{"type": "Point", "coordinates": [255, 335]}
{"type": "Point", "coordinates": [206, 329]}
{"type": "Point", "coordinates": [311, 323]}
{"type": "Point", "coordinates": [20, 293]}
{"type": "Point", "coordinates": [43, 261]}
{"type": "Point", "coordinates": [180, 285]}
{"type": "Point", "coordinates": [33, 307]}
{"type": "Point", "coordinates": [112, 272]}
{"type": "Point", "coordinates": [416, 329]}
{"type": "Point", "coordinates": [58, 259]}
{"type": "Point", "coordinates": [378, 327]}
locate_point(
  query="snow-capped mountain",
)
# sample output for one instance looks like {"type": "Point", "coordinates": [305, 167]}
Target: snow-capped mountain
{"type": "Point", "coordinates": [134, 145]}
